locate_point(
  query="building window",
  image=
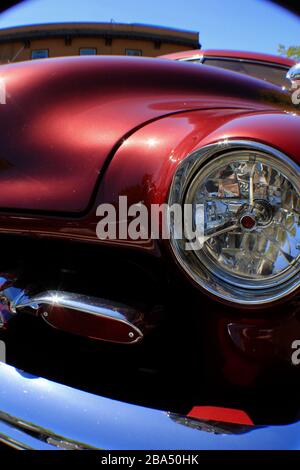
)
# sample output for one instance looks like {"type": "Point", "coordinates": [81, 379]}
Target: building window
{"type": "Point", "coordinates": [88, 51]}
{"type": "Point", "coordinates": [133, 52]}
{"type": "Point", "coordinates": [40, 54]}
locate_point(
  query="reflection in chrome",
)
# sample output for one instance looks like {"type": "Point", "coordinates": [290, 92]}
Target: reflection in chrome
{"type": "Point", "coordinates": [53, 416]}
{"type": "Point", "coordinates": [83, 315]}
{"type": "Point", "coordinates": [35, 433]}
{"type": "Point", "coordinates": [250, 197]}
{"type": "Point", "coordinates": [215, 427]}
{"type": "Point", "coordinates": [294, 73]}
{"type": "Point", "coordinates": [256, 198]}
{"type": "Point", "coordinates": [193, 58]}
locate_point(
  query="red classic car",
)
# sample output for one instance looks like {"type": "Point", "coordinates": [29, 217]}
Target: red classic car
{"type": "Point", "coordinates": [150, 256]}
{"type": "Point", "coordinates": [263, 66]}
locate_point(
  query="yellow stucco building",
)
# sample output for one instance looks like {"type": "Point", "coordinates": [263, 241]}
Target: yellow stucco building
{"type": "Point", "coordinates": [67, 39]}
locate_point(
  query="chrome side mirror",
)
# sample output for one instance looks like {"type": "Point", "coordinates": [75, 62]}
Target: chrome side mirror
{"type": "Point", "coordinates": [294, 73]}
{"type": "Point", "coordinates": [293, 76]}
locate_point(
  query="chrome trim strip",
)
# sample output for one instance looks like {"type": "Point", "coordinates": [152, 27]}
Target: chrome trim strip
{"type": "Point", "coordinates": [36, 413]}
{"type": "Point", "coordinates": [197, 57]}
{"type": "Point", "coordinates": [219, 286]}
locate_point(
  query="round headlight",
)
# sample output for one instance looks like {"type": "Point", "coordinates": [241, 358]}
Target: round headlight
{"type": "Point", "coordinates": [248, 195]}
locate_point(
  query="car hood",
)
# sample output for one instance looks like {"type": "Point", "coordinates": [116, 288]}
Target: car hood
{"type": "Point", "coordinates": [63, 119]}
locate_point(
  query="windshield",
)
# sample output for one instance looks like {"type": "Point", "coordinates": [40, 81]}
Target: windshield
{"type": "Point", "coordinates": [270, 73]}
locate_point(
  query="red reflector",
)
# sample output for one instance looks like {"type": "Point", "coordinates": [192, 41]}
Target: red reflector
{"type": "Point", "coordinates": [247, 221]}
{"type": "Point", "coordinates": [225, 415]}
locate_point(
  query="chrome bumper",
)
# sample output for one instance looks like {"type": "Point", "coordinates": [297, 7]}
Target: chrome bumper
{"type": "Point", "coordinates": [36, 413]}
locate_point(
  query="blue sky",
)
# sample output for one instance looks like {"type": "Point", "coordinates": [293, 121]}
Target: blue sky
{"type": "Point", "coordinates": [256, 25]}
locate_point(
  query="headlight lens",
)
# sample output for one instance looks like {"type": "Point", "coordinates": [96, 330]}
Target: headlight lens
{"type": "Point", "coordinates": [249, 195]}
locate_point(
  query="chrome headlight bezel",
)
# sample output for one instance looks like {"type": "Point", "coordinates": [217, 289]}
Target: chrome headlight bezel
{"type": "Point", "coordinates": [201, 272]}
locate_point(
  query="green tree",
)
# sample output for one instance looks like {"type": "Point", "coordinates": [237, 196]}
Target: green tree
{"type": "Point", "coordinates": [293, 51]}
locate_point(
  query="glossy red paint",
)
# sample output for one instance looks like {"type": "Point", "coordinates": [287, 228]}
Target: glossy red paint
{"type": "Point", "coordinates": [269, 339]}
{"type": "Point", "coordinates": [242, 345]}
{"type": "Point", "coordinates": [279, 130]}
{"type": "Point", "coordinates": [64, 118]}
{"type": "Point", "coordinates": [223, 415]}
{"type": "Point", "coordinates": [81, 116]}
{"type": "Point", "coordinates": [143, 166]}
{"type": "Point", "coordinates": [99, 127]}
{"type": "Point", "coordinates": [144, 159]}
{"type": "Point", "coordinates": [154, 152]}
{"type": "Point", "coordinates": [256, 56]}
